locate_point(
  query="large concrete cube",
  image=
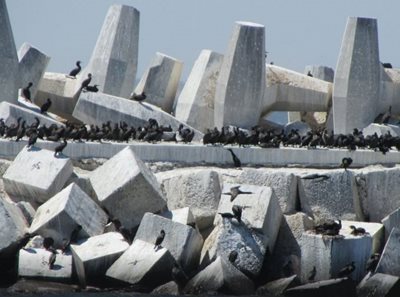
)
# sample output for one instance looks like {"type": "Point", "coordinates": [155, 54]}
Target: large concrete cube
{"type": "Point", "coordinates": [61, 214]}
{"type": "Point", "coordinates": [93, 256]}
{"type": "Point", "coordinates": [375, 230]}
{"type": "Point", "coordinates": [195, 104]}
{"type": "Point", "coordinates": [391, 221]}
{"type": "Point", "coordinates": [182, 241]}
{"type": "Point", "coordinates": [113, 63]}
{"type": "Point", "coordinates": [32, 65]}
{"type": "Point", "coordinates": [160, 81]}
{"type": "Point", "coordinates": [389, 263]}
{"type": "Point", "coordinates": [357, 78]}
{"type": "Point", "coordinates": [36, 175]}
{"type": "Point", "coordinates": [127, 188]}
{"type": "Point", "coordinates": [241, 82]}
{"type": "Point", "coordinates": [141, 264]}
{"type": "Point", "coordinates": [180, 215]}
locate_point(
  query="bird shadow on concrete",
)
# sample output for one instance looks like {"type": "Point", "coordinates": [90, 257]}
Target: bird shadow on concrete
{"type": "Point", "coordinates": [34, 149]}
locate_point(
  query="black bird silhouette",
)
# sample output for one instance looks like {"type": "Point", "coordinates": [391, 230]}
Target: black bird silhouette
{"type": "Point", "coordinates": [45, 106]}
{"type": "Point", "coordinates": [32, 139]}
{"type": "Point", "coordinates": [357, 231]}
{"type": "Point", "coordinates": [139, 97]}
{"type": "Point", "coordinates": [48, 243]}
{"type": "Point", "coordinates": [233, 256]}
{"type": "Point", "coordinates": [330, 228]}
{"type": "Point", "coordinates": [237, 212]}
{"type": "Point", "coordinates": [58, 149]}
{"type": "Point", "coordinates": [235, 191]}
{"type": "Point", "coordinates": [346, 162]}
{"type": "Point", "coordinates": [372, 262]}
{"type": "Point", "coordinates": [73, 238]}
{"type": "Point", "coordinates": [86, 82]}
{"type": "Point", "coordinates": [52, 258]}
{"type": "Point", "coordinates": [312, 274]}
{"type": "Point", "coordinates": [347, 270]}
{"type": "Point", "coordinates": [126, 234]}
{"type": "Point", "coordinates": [159, 240]}
{"type": "Point", "coordinates": [76, 70]}
{"type": "Point", "coordinates": [309, 73]}
{"type": "Point", "coordinates": [26, 92]}
{"type": "Point", "coordinates": [236, 160]}
{"type": "Point", "coordinates": [93, 88]}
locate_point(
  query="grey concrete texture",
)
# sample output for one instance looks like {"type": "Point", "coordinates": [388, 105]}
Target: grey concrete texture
{"type": "Point", "coordinates": [195, 104]}
{"type": "Point", "coordinates": [379, 129]}
{"type": "Point", "coordinates": [321, 72]}
{"type": "Point", "coordinates": [160, 81]}
{"type": "Point", "coordinates": [27, 210]}
{"type": "Point", "coordinates": [389, 262]}
{"type": "Point", "coordinates": [279, 286]}
{"type": "Point", "coordinates": [379, 284]}
{"type": "Point", "coordinates": [391, 221]}
{"type": "Point", "coordinates": [181, 215]}
{"type": "Point", "coordinates": [241, 81]}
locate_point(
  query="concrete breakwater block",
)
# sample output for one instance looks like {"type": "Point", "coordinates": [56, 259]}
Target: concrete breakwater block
{"type": "Point", "coordinates": [389, 262]}
{"type": "Point", "coordinates": [93, 256]}
{"type": "Point", "coordinates": [261, 210]}
{"type": "Point", "coordinates": [182, 241]}
{"type": "Point", "coordinates": [279, 286]}
{"type": "Point", "coordinates": [142, 264]}
{"type": "Point", "coordinates": [220, 276]}
{"type": "Point", "coordinates": [181, 215]}
{"type": "Point", "coordinates": [391, 221]}
{"type": "Point", "coordinates": [199, 190]}
{"type": "Point", "coordinates": [380, 130]}
{"type": "Point", "coordinates": [27, 210]}
{"type": "Point", "coordinates": [34, 263]}
{"type": "Point", "coordinates": [35, 175]}
{"type": "Point", "coordinates": [61, 214]}
{"type": "Point", "coordinates": [379, 285]}
{"type": "Point", "coordinates": [127, 188]}
{"type": "Point", "coordinates": [327, 288]}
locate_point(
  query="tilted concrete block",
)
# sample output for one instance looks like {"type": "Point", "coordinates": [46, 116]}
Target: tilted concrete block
{"type": "Point", "coordinates": [389, 90]}
{"type": "Point", "coordinates": [36, 175]}
{"type": "Point", "coordinates": [160, 81]}
{"type": "Point", "coordinates": [180, 215]}
{"type": "Point", "coordinates": [61, 214]}
{"type": "Point", "coordinates": [97, 108]}
{"type": "Point", "coordinates": [321, 72]}
{"type": "Point", "coordinates": [195, 104]}
{"type": "Point", "coordinates": [182, 241]}
{"type": "Point", "coordinates": [261, 210]}
{"type": "Point", "coordinates": [302, 127]}
{"type": "Point", "coordinates": [32, 65]}
{"type": "Point", "coordinates": [357, 79]}
{"type": "Point", "coordinates": [27, 210]}
{"type": "Point", "coordinates": [9, 76]}
{"type": "Point", "coordinates": [278, 287]}
{"type": "Point", "coordinates": [327, 288]}
{"type": "Point", "coordinates": [391, 221]}
{"type": "Point", "coordinates": [381, 129]}
{"type": "Point", "coordinates": [375, 230]}
{"type": "Point", "coordinates": [34, 263]}
{"type": "Point", "coordinates": [229, 236]}
{"type": "Point", "coordinates": [389, 262]}
{"type": "Point", "coordinates": [127, 188]}
{"type": "Point", "coordinates": [220, 276]}
{"type": "Point", "coordinates": [143, 265]}
{"type": "Point", "coordinates": [93, 256]}
{"type": "Point", "coordinates": [241, 82]}
{"type": "Point", "coordinates": [113, 63]}
{"type": "Point", "coordinates": [379, 285]}
{"type": "Point", "coordinates": [200, 190]}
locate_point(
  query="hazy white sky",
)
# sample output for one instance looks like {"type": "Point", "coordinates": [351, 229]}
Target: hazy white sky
{"type": "Point", "coordinates": [298, 33]}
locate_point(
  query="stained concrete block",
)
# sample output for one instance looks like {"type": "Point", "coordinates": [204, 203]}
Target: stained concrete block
{"type": "Point", "coordinates": [182, 241]}
{"type": "Point", "coordinates": [27, 210]}
{"type": "Point", "coordinates": [195, 104]}
{"type": "Point", "coordinates": [160, 81]}
{"type": "Point", "coordinates": [375, 230]}
{"type": "Point", "coordinates": [389, 262]}
{"type": "Point", "coordinates": [391, 221]}
{"type": "Point", "coordinates": [36, 175]}
{"type": "Point", "coordinates": [97, 108]}
{"type": "Point", "coordinates": [261, 210]}
{"type": "Point", "coordinates": [180, 215]}
{"type": "Point", "coordinates": [127, 188]}
{"type": "Point", "coordinates": [32, 65]}
{"type": "Point", "coordinates": [93, 256]}
{"type": "Point", "coordinates": [200, 190]}
{"type": "Point", "coordinates": [141, 264]}
{"type": "Point", "coordinates": [61, 214]}
{"type": "Point", "coordinates": [357, 79]}
{"type": "Point", "coordinates": [9, 77]}
{"type": "Point", "coordinates": [113, 63]}
{"type": "Point", "coordinates": [221, 276]}
{"type": "Point", "coordinates": [389, 90]}
{"type": "Point", "coordinates": [379, 285]}
{"type": "Point", "coordinates": [381, 130]}
{"type": "Point", "coordinates": [229, 235]}
{"type": "Point", "coordinates": [34, 263]}
{"type": "Point", "coordinates": [241, 82]}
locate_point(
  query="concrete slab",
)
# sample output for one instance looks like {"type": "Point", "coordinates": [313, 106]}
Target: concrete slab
{"type": "Point", "coordinates": [195, 104]}
{"type": "Point", "coordinates": [381, 130]}
{"type": "Point", "coordinates": [36, 175]}
{"type": "Point", "coordinates": [279, 286]}
{"type": "Point", "coordinates": [160, 81]}
{"type": "Point", "coordinates": [379, 285]}
{"type": "Point", "coordinates": [390, 258]}
{"type": "Point", "coordinates": [391, 221]}
{"type": "Point", "coordinates": [27, 210]}
{"type": "Point", "coordinates": [127, 188]}
{"type": "Point", "coordinates": [375, 230]}
{"type": "Point", "coordinates": [72, 207]}
{"type": "Point", "coordinates": [241, 81]}
{"type": "Point", "coordinates": [180, 215]}
{"type": "Point", "coordinates": [327, 288]}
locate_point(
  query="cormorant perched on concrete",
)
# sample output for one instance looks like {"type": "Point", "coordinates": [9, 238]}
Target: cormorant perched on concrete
{"type": "Point", "coordinates": [236, 160]}
{"type": "Point", "coordinates": [346, 162]}
{"type": "Point", "coordinates": [58, 149]}
{"type": "Point", "coordinates": [52, 258]}
{"type": "Point", "coordinates": [233, 256]}
{"type": "Point", "coordinates": [26, 93]}
{"type": "Point", "coordinates": [309, 74]}
{"type": "Point", "coordinates": [127, 234]}
{"type": "Point", "coordinates": [357, 231]}
{"type": "Point", "coordinates": [45, 106]}
{"type": "Point", "coordinates": [48, 243]}
{"type": "Point", "coordinates": [312, 274]}
{"type": "Point", "coordinates": [86, 82]}
{"type": "Point", "coordinates": [139, 97]}
{"type": "Point", "coordinates": [159, 240]}
{"type": "Point", "coordinates": [372, 262]}
{"type": "Point", "coordinates": [93, 88]}
{"type": "Point", "coordinates": [387, 65]}
{"type": "Point", "coordinates": [235, 191]}
{"type": "Point", "coordinates": [347, 270]}
{"type": "Point", "coordinates": [76, 70]}
{"type": "Point", "coordinates": [331, 228]}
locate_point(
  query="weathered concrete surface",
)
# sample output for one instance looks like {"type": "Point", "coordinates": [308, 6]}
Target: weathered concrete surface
{"type": "Point", "coordinates": [142, 264]}
{"type": "Point", "coordinates": [9, 79]}
{"type": "Point", "coordinates": [195, 104]}
{"type": "Point", "coordinates": [200, 190]}
{"type": "Point", "coordinates": [61, 214]}
{"type": "Point", "coordinates": [391, 221]}
{"type": "Point", "coordinates": [389, 89]}
{"type": "Point", "coordinates": [327, 288]}
{"type": "Point", "coordinates": [379, 285]}
{"type": "Point", "coordinates": [36, 175]}
{"type": "Point", "coordinates": [93, 256]}
{"type": "Point", "coordinates": [27, 210]}
{"type": "Point", "coordinates": [127, 188]}
{"type": "Point", "coordinates": [241, 81]}
{"type": "Point", "coordinates": [357, 79]}
{"type": "Point", "coordinates": [321, 72]}
{"type": "Point", "coordinates": [181, 215]}
{"type": "Point", "coordinates": [170, 288]}
{"type": "Point", "coordinates": [113, 63]}
{"type": "Point", "coordinates": [381, 130]}
{"type": "Point", "coordinates": [221, 276]}
{"type": "Point", "coordinates": [279, 286]}
{"type": "Point", "coordinates": [302, 127]}
{"type": "Point", "coordinates": [182, 241]}
{"type": "Point", "coordinates": [34, 263]}
{"type": "Point", "coordinates": [32, 65]}
{"type": "Point", "coordinates": [389, 262]}
{"type": "Point", "coordinates": [375, 230]}
{"type": "Point", "coordinates": [160, 81]}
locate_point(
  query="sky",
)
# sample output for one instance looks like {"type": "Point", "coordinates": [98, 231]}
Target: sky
{"type": "Point", "coordinates": [298, 33]}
